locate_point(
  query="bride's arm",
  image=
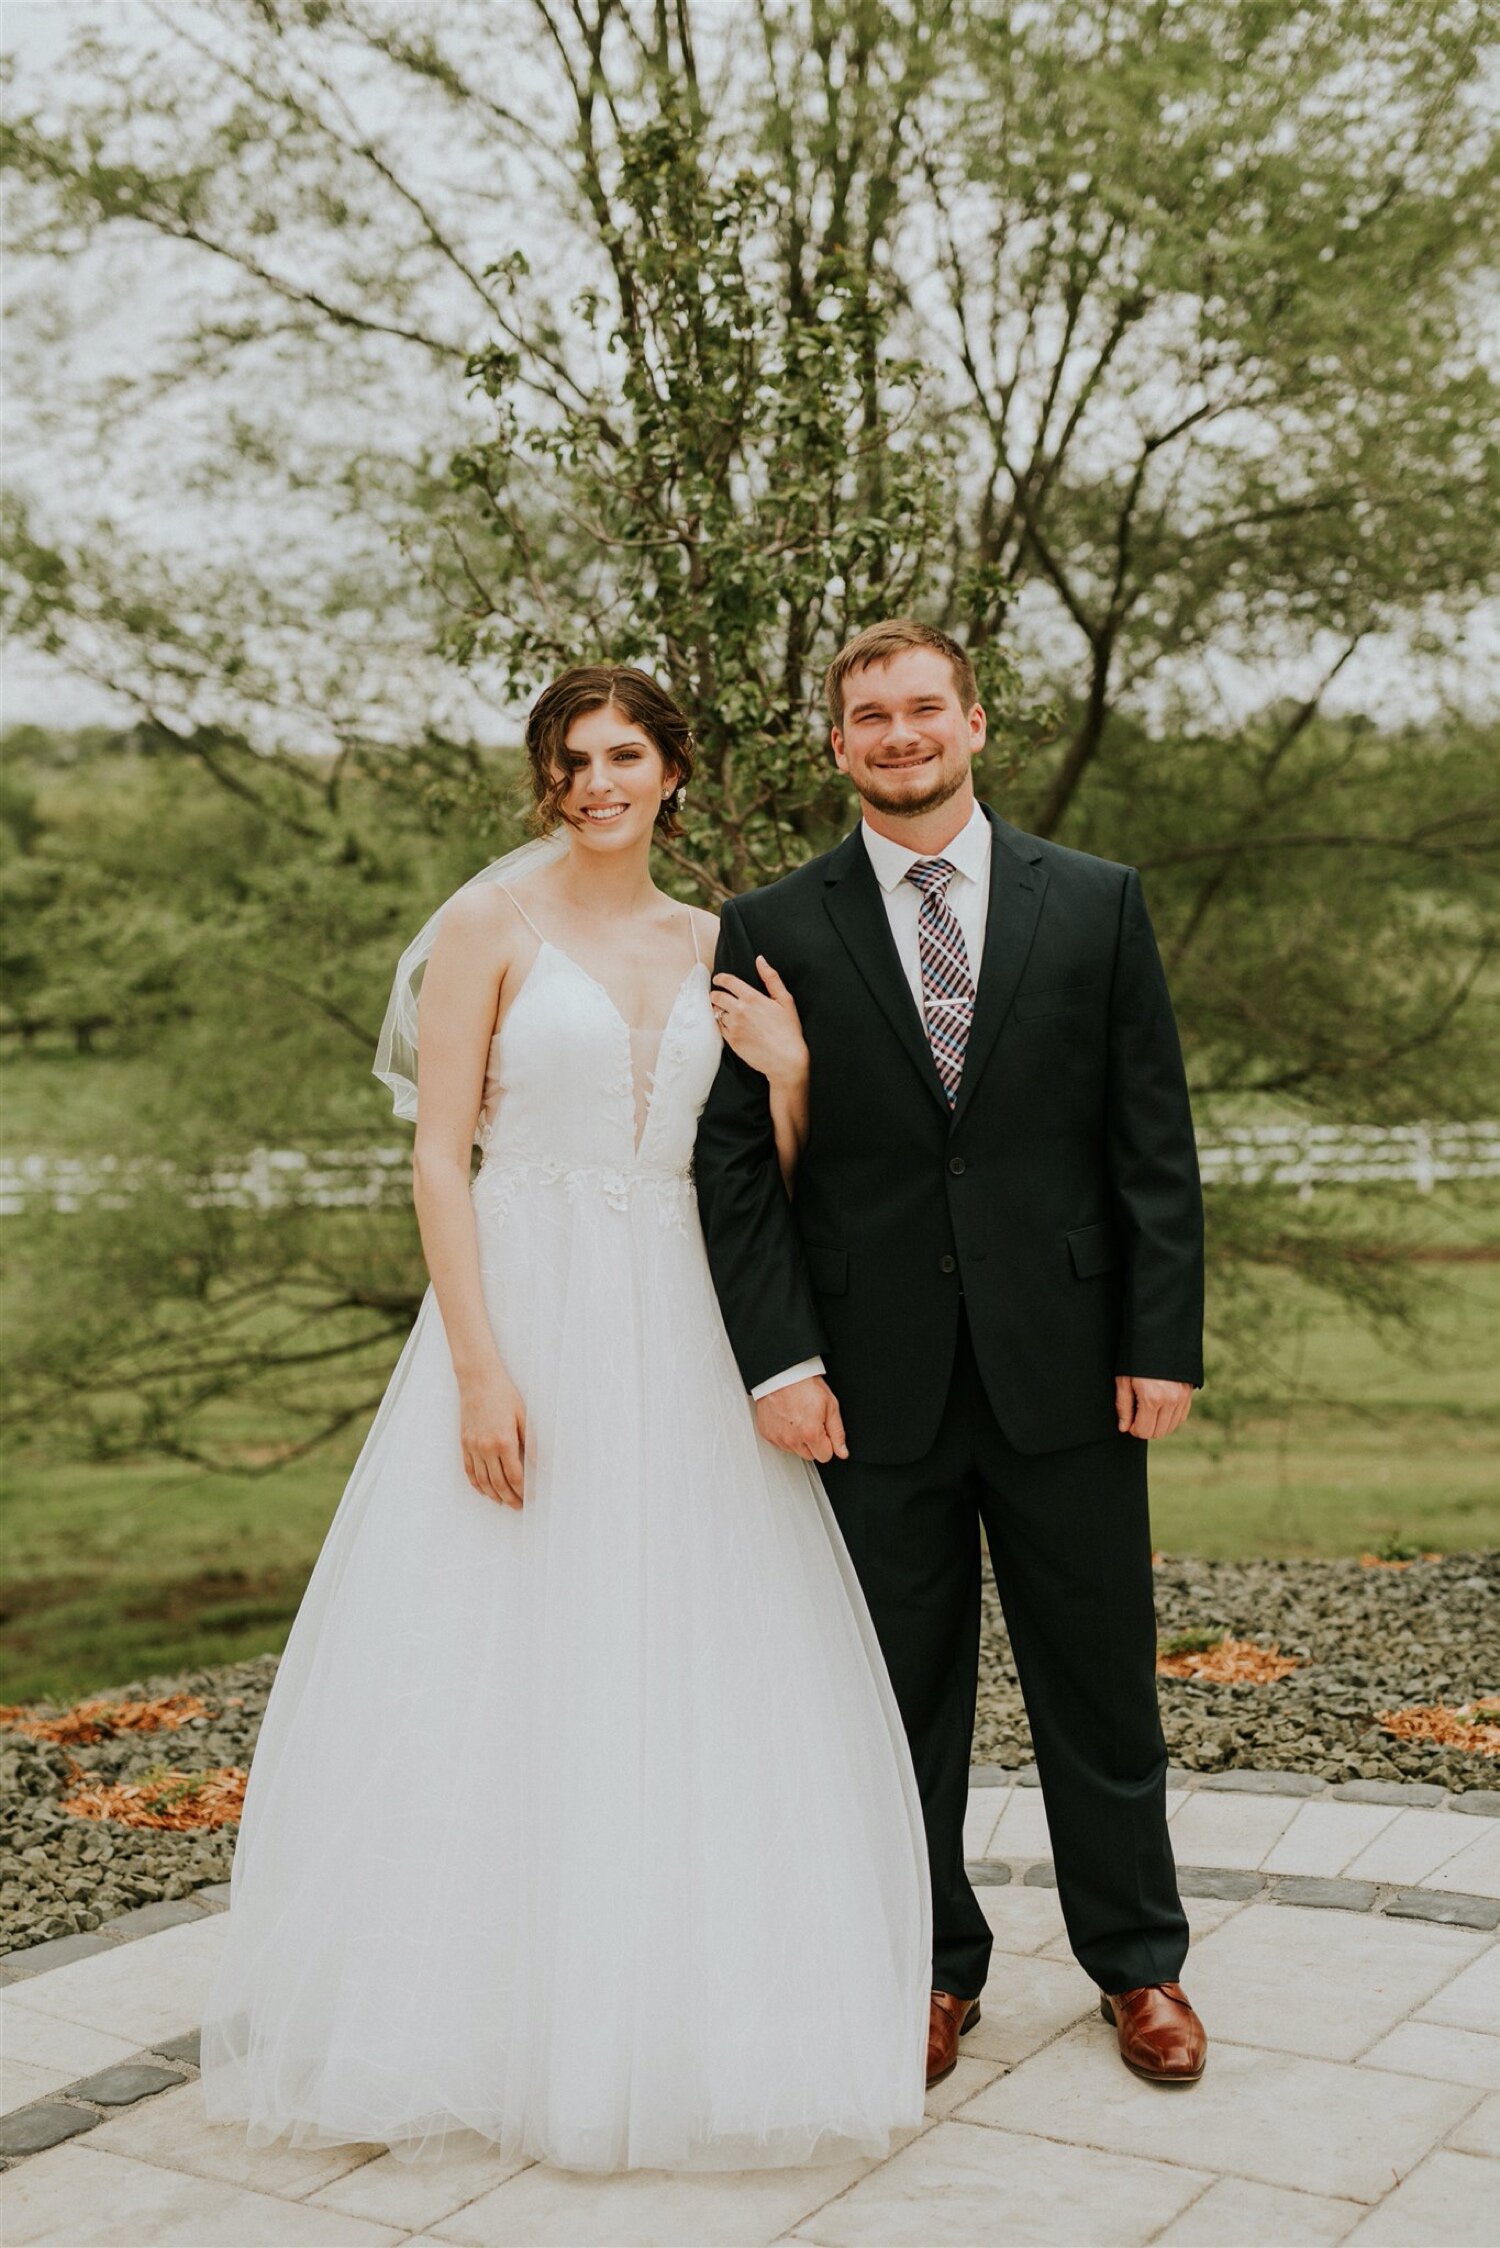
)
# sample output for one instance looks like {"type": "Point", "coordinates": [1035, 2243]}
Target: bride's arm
{"type": "Point", "coordinates": [765, 1030]}
{"type": "Point", "coordinates": [456, 1012]}
{"type": "Point", "coordinates": [789, 1122]}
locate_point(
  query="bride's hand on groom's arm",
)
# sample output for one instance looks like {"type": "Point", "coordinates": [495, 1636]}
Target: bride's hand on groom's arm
{"type": "Point", "coordinates": [803, 1418]}
{"type": "Point", "coordinates": [762, 1027]}
{"type": "Point", "coordinates": [1151, 1408]}
{"type": "Point", "coordinates": [492, 1421]}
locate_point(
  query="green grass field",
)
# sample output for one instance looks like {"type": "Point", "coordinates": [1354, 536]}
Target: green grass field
{"type": "Point", "coordinates": [1382, 1438]}
{"type": "Point", "coordinates": [114, 1571]}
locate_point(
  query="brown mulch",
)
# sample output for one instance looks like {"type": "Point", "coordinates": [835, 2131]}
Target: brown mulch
{"type": "Point", "coordinates": [100, 1720]}
{"type": "Point", "coordinates": [1382, 1561]}
{"type": "Point", "coordinates": [1468, 1727]}
{"type": "Point", "coordinates": [1233, 1662]}
{"type": "Point", "coordinates": [87, 1722]}
{"type": "Point", "coordinates": [175, 1800]}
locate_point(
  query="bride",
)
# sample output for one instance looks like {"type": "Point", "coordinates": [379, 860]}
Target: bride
{"type": "Point", "coordinates": [581, 1821]}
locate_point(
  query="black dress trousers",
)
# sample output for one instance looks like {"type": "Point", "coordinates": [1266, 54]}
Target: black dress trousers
{"type": "Point", "coordinates": [1070, 1544]}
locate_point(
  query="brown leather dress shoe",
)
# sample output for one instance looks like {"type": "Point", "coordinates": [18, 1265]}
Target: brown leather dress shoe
{"type": "Point", "coordinates": [1161, 2038]}
{"type": "Point", "coordinates": [947, 2019]}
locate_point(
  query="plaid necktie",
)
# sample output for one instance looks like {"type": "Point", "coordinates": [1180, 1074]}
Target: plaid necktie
{"type": "Point", "coordinates": [947, 986]}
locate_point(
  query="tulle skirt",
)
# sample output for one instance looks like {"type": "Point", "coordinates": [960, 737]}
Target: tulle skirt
{"type": "Point", "coordinates": [589, 1831]}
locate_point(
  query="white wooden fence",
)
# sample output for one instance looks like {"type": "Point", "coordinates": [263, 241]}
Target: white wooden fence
{"type": "Point", "coordinates": [1307, 1156]}
{"type": "Point", "coordinates": [1302, 1157]}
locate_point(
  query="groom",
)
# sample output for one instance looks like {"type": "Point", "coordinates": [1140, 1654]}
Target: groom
{"type": "Point", "coordinates": [991, 1277]}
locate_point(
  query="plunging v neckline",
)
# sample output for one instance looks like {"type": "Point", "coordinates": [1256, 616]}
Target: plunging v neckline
{"type": "Point", "coordinates": [637, 1139]}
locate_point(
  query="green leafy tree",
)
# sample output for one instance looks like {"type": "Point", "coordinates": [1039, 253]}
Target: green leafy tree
{"type": "Point", "coordinates": [742, 506]}
{"type": "Point", "coordinates": [238, 954]}
{"type": "Point", "coordinates": [1136, 343]}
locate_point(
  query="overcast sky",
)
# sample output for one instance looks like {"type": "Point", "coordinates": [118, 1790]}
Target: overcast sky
{"type": "Point", "coordinates": [138, 312]}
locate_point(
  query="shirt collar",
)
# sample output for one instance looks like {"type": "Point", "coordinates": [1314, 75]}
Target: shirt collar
{"type": "Point", "coordinates": [969, 852]}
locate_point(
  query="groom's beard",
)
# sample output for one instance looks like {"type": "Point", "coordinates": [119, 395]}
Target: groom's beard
{"type": "Point", "coordinates": [910, 807]}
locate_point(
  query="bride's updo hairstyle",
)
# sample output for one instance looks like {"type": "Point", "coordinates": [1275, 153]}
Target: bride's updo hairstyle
{"type": "Point", "coordinates": [604, 686]}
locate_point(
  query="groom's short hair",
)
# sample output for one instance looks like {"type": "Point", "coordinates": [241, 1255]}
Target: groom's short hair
{"type": "Point", "coordinates": [879, 642]}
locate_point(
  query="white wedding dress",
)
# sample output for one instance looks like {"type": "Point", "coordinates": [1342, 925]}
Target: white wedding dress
{"type": "Point", "coordinates": [588, 1829]}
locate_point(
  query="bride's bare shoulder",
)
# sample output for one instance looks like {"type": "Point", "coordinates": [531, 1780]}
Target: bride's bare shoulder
{"type": "Point", "coordinates": [484, 921]}
{"type": "Point", "coordinates": [706, 924]}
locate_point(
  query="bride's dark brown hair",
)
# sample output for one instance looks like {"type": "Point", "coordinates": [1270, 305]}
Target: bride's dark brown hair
{"type": "Point", "coordinates": [604, 686]}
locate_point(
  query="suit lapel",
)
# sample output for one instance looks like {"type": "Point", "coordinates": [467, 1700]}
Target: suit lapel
{"type": "Point", "coordinates": [857, 910]}
{"type": "Point", "coordinates": [1018, 883]}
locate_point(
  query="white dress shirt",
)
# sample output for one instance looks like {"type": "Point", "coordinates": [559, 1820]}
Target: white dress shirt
{"type": "Point", "coordinates": [968, 897]}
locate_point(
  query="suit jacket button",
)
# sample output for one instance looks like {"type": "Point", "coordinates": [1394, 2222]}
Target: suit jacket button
{"type": "Point", "coordinates": [947, 1264]}
{"type": "Point", "coordinates": [957, 1166]}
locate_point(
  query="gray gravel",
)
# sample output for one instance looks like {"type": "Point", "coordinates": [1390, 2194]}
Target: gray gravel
{"type": "Point", "coordinates": [1372, 1639]}
{"type": "Point", "coordinates": [61, 1875]}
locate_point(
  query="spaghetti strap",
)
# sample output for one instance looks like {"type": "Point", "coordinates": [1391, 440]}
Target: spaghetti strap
{"type": "Point", "coordinates": [525, 916]}
{"type": "Point", "coordinates": [536, 932]}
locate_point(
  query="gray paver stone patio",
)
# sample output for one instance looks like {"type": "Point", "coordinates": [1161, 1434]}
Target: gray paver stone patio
{"type": "Point", "coordinates": [1324, 2127]}
{"type": "Point", "coordinates": [1218, 1881]}
{"type": "Point", "coordinates": [1418, 2048]}
{"type": "Point", "coordinates": [1287, 1979]}
{"type": "Point", "coordinates": [1472, 1999]}
{"type": "Point", "coordinates": [1264, 1783]}
{"type": "Point", "coordinates": [960, 2183]}
{"type": "Point", "coordinates": [83, 2197]}
{"type": "Point", "coordinates": [1328, 1895]}
{"type": "Point", "coordinates": [43, 2125]}
{"type": "Point", "coordinates": [1352, 2091]}
{"type": "Point", "coordinates": [1451, 2201]}
{"type": "Point", "coordinates": [1234, 2214]}
{"type": "Point", "coordinates": [123, 2085]}
{"type": "Point", "coordinates": [1448, 1911]}
{"type": "Point", "coordinates": [144, 1920]}
{"type": "Point", "coordinates": [1402, 1795]}
{"type": "Point", "coordinates": [1479, 2132]}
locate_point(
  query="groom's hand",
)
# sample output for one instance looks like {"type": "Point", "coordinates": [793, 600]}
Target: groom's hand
{"type": "Point", "coordinates": [803, 1418]}
{"type": "Point", "coordinates": [1150, 1408]}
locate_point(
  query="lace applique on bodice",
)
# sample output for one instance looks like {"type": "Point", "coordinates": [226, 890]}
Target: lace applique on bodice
{"type": "Point", "coordinates": [571, 1090]}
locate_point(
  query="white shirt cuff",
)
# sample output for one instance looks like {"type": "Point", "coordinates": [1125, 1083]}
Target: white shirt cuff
{"type": "Point", "coordinates": [797, 1373]}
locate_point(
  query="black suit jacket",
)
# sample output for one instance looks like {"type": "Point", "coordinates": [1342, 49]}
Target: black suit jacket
{"type": "Point", "coordinates": [1060, 1196]}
